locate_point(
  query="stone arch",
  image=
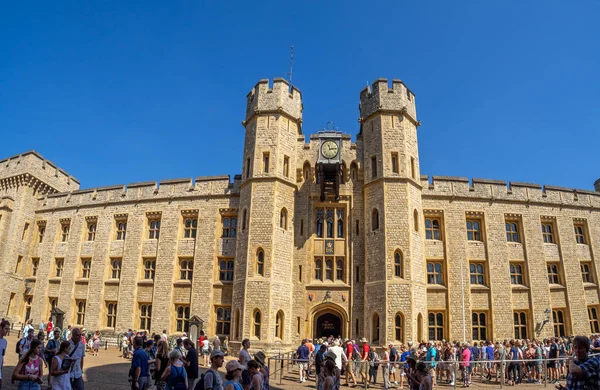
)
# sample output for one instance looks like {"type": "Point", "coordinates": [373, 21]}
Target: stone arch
{"type": "Point", "coordinates": [419, 328]}
{"type": "Point", "coordinates": [353, 171]}
{"type": "Point", "coordinates": [375, 329]}
{"type": "Point", "coordinates": [307, 172]}
{"type": "Point", "coordinates": [329, 308]}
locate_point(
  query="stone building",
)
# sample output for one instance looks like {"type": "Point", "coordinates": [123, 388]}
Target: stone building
{"type": "Point", "coordinates": [319, 235]}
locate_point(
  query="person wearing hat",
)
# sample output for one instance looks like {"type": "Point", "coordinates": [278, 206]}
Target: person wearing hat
{"type": "Point", "coordinates": [257, 377]}
{"type": "Point", "coordinates": [261, 358]}
{"type": "Point", "coordinates": [212, 378]}
{"type": "Point", "coordinates": [234, 375]}
{"type": "Point", "coordinates": [351, 355]}
{"type": "Point", "coordinates": [364, 359]}
{"type": "Point", "coordinates": [410, 371]}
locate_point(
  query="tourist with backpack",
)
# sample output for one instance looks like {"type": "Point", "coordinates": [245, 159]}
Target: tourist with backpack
{"type": "Point", "coordinates": [24, 344]}
{"type": "Point", "coordinates": [140, 368]}
{"type": "Point", "coordinates": [175, 375]}
{"type": "Point", "coordinates": [211, 379]}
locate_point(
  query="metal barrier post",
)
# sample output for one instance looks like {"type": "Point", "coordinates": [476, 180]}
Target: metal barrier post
{"type": "Point", "coordinates": [281, 373]}
{"type": "Point", "coordinates": [503, 372]}
{"type": "Point", "coordinates": [546, 371]}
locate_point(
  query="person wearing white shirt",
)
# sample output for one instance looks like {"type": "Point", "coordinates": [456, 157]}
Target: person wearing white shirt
{"type": "Point", "coordinates": [340, 357]}
{"type": "Point", "coordinates": [4, 329]}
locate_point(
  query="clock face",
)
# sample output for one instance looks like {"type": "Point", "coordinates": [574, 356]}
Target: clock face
{"type": "Point", "coordinates": [329, 149]}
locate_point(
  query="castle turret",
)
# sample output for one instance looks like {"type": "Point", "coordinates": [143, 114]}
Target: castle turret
{"type": "Point", "coordinates": [264, 252]}
{"type": "Point", "coordinates": [394, 259]}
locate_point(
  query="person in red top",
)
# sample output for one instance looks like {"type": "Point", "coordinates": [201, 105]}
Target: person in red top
{"type": "Point", "coordinates": [49, 327]}
{"type": "Point", "coordinates": [311, 355]}
{"type": "Point", "coordinates": [350, 363]}
{"type": "Point", "coordinates": [364, 365]}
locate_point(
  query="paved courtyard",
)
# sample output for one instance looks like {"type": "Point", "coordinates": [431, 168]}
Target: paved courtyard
{"type": "Point", "coordinates": [109, 371]}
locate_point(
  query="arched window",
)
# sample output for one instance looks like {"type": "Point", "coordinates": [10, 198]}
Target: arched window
{"type": "Point", "coordinates": [399, 327]}
{"type": "Point", "coordinates": [339, 269]}
{"type": "Point", "coordinates": [340, 223]}
{"type": "Point", "coordinates": [420, 327]}
{"type": "Point", "coordinates": [307, 172]}
{"type": "Point", "coordinates": [375, 220]}
{"type": "Point", "coordinates": [320, 223]}
{"type": "Point", "coordinates": [398, 268]}
{"type": "Point", "coordinates": [353, 172]}
{"type": "Point", "coordinates": [318, 269]}
{"type": "Point", "coordinates": [416, 220]}
{"type": "Point", "coordinates": [375, 329]}
{"type": "Point", "coordinates": [256, 317]}
{"type": "Point", "coordinates": [283, 219]}
{"type": "Point", "coordinates": [279, 325]}
{"type": "Point", "coordinates": [226, 270]}
{"type": "Point", "coordinates": [191, 225]}
{"type": "Point", "coordinates": [329, 223]}
{"type": "Point", "coordinates": [260, 263]}
{"type": "Point", "coordinates": [329, 269]}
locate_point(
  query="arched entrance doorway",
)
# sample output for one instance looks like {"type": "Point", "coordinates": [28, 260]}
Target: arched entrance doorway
{"type": "Point", "coordinates": [327, 324]}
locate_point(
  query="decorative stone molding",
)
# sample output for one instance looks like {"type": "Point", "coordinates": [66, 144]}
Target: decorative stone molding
{"type": "Point", "coordinates": [154, 214]}
{"type": "Point", "coordinates": [189, 213]}
{"type": "Point", "coordinates": [121, 217]}
{"type": "Point", "coordinates": [228, 212]}
{"type": "Point", "coordinates": [91, 218]}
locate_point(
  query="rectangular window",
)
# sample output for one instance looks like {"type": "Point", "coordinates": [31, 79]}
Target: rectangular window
{"type": "Point", "coordinates": [65, 228]}
{"type": "Point", "coordinates": [586, 272]}
{"type": "Point", "coordinates": [86, 265]}
{"type": "Point", "coordinates": [512, 231]}
{"type": "Point", "coordinates": [25, 230]}
{"type": "Point", "coordinates": [300, 273]}
{"type": "Point", "coordinates": [477, 273]}
{"type": "Point", "coordinates": [190, 223]}
{"type": "Point", "coordinates": [115, 268]}
{"type": "Point", "coordinates": [516, 274]}
{"type": "Point", "coordinates": [247, 168]}
{"type": "Point", "coordinates": [41, 232]}
{"type": "Point", "coordinates": [229, 227]}
{"type": "Point", "coordinates": [301, 227]}
{"type": "Point", "coordinates": [111, 314]}
{"type": "Point", "coordinates": [226, 270]}
{"type": "Point", "coordinates": [153, 229]}
{"type": "Point", "coordinates": [436, 325]}
{"type": "Point", "coordinates": [520, 324]}
{"type": "Point", "coordinates": [558, 320]}
{"type": "Point", "coordinates": [19, 260]}
{"type": "Point", "coordinates": [435, 273]}
{"type": "Point", "coordinates": [121, 229]}
{"type": "Point", "coordinates": [554, 273]}
{"type": "Point", "coordinates": [149, 268]}
{"type": "Point", "coordinates": [145, 316]}
{"type": "Point", "coordinates": [58, 267]}
{"type": "Point", "coordinates": [413, 168]}
{"type": "Point", "coordinates": [358, 274]}
{"type": "Point", "coordinates": [91, 231]}
{"type": "Point", "coordinates": [186, 269]}
{"type": "Point", "coordinates": [298, 322]}
{"type": "Point", "coordinates": [580, 233]}
{"type": "Point", "coordinates": [266, 162]}
{"type": "Point", "coordinates": [432, 229]}
{"type": "Point", "coordinates": [80, 314]}
{"type": "Point", "coordinates": [223, 320]}
{"type": "Point", "coordinates": [474, 230]}
{"type": "Point", "coordinates": [339, 269]}
{"type": "Point", "coordinates": [35, 263]}
{"type": "Point", "coordinates": [182, 316]}
{"type": "Point", "coordinates": [357, 227]}
{"type": "Point", "coordinates": [548, 232]}
{"type": "Point", "coordinates": [286, 166]}
{"type": "Point", "coordinates": [593, 317]}
{"type": "Point", "coordinates": [394, 161]}
{"type": "Point", "coordinates": [479, 325]}
{"type": "Point", "coordinates": [373, 167]}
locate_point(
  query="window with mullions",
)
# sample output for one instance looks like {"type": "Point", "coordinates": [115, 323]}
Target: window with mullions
{"type": "Point", "coordinates": [434, 273]}
{"type": "Point", "coordinates": [229, 227]}
{"type": "Point", "coordinates": [329, 223]}
{"type": "Point", "coordinates": [477, 273]}
{"type": "Point", "coordinates": [432, 229]}
{"type": "Point", "coordinates": [548, 233]}
{"type": "Point", "coordinates": [91, 231]}
{"type": "Point", "coordinates": [339, 269]}
{"type": "Point", "coordinates": [58, 267]}
{"type": "Point", "coordinates": [340, 223]}
{"type": "Point", "coordinates": [516, 274]}
{"type": "Point", "coordinates": [80, 312]}
{"type": "Point", "coordinates": [86, 265]}
{"type": "Point", "coordinates": [320, 214]}
{"type": "Point", "coordinates": [398, 266]}
{"type": "Point", "coordinates": [329, 269]}
{"type": "Point", "coordinates": [256, 324]}
{"type": "Point", "coordinates": [145, 316]}
{"type": "Point", "coordinates": [190, 225]}
{"type": "Point", "coordinates": [223, 320]}
{"type": "Point", "coordinates": [115, 268]}
{"type": "Point", "coordinates": [553, 274]}
{"type": "Point", "coordinates": [186, 268]}
{"type": "Point", "coordinates": [111, 314]}
{"type": "Point", "coordinates": [154, 229]}
{"type": "Point", "coordinates": [318, 269]}
{"type": "Point", "coordinates": [65, 230]}
{"type": "Point", "coordinates": [473, 230]}
{"type": "Point", "coordinates": [183, 318]}
{"type": "Point", "coordinates": [558, 320]}
{"type": "Point", "coordinates": [226, 270]}
{"type": "Point", "coordinates": [512, 232]}
{"type": "Point", "coordinates": [260, 263]}
{"type": "Point", "coordinates": [436, 326]}
{"type": "Point", "coordinates": [579, 233]}
{"type": "Point", "coordinates": [399, 328]}
{"type": "Point", "coordinates": [149, 269]}
{"type": "Point", "coordinates": [593, 317]}
{"type": "Point", "coordinates": [479, 326]}
{"type": "Point", "coordinates": [121, 230]}
{"type": "Point", "coordinates": [520, 324]}
{"type": "Point", "coordinates": [586, 274]}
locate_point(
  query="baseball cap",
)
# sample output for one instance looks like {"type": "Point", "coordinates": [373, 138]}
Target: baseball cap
{"type": "Point", "coordinates": [216, 353]}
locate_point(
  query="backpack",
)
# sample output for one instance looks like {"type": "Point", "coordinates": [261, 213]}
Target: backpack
{"type": "Point", "coordinates": [200, 384]}
{"type": "Point", "coordinates": [438, 355]}
{"type": "Point", "coordinates": [371, 354]}
{"type": "Point", "coordinates": [355, 355]}
{"type": "Point", "coordinates": [179, 380]}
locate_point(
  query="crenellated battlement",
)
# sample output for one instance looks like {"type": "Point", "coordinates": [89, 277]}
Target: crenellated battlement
{"type": "Point", "coordinates": [277, 98]}
{"type": "Point", "coordinates": [499, 190]}
{"type": "Point", "coordinates": [34, 164]}
{"type": "Point", "coordinates": [204, 186]}
{"type": "Point", "coordinates": [380, 97]}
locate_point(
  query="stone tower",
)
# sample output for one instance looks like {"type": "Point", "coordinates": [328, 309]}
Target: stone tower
{"type": "Point", "coordinates": [394, 236]}
{"type": "Point", "coordinates": [262, 294]}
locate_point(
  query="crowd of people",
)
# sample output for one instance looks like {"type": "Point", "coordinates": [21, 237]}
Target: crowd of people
{"type": "Point", "coordinates": [427, 364]}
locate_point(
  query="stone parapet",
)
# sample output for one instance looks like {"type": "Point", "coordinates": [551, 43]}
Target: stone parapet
{"type": "Point", "coordinates": [380, 97]}
{"type": "Point", "coordinates": [276, 99]}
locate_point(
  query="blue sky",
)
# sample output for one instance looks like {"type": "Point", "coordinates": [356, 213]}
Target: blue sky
{"type": "Point", "coordinates": [119, 92]}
